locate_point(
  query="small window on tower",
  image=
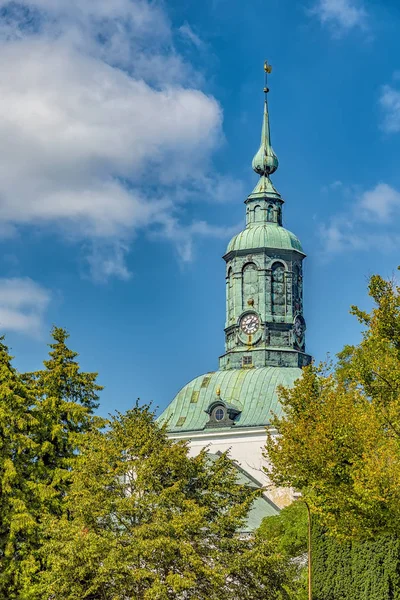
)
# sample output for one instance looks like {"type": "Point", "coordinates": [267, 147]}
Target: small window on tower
{"type": "Point", "coordinates": [247, 361]}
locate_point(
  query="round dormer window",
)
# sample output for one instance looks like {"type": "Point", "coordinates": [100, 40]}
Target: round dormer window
{"type": "Point", "coordinates": [219, 414]}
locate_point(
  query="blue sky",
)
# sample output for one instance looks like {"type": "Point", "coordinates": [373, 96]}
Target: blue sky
{"type": "Point", "coordinates": [127, 130]}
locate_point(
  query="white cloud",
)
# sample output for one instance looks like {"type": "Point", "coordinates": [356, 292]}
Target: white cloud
{"type": "Point", "coordinates": [371, 223]}
{"type": "Point", "coordinates": [121, 32]}
{"type": "Point", "coordinates": [22, 306]}
{"type": "Point", "coordinates": [187, 32]}
{"type": "Point", "coordinates": [380, 204]}
{"type": "Point", "coordinates": [100, 123]}
{"type": "Point", "coordinates": [342, 15]}
{"type": "Point", "coordinates": [107, 261]}
{"type": "Point", "coordinates": [76, 131]}
{"type": "Point", "coordinates": [340, 236]}
{"type": "Point", "coordinates": [390, 104]}
{"type": "Point", "coordinates": [184, 236]}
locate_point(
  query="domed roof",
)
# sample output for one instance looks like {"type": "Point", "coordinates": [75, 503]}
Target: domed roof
{"type": "Point", "coordinates": [266, 235]}
{"type": "Point", "coordinates": [253, 392]}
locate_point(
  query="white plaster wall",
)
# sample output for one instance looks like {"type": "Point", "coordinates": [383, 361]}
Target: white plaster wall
{"type": "Point", "coordinates": [246, 449]}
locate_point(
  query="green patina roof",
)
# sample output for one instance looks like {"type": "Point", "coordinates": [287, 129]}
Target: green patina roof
{"type": "Point", "coordinates": [261, 508]}
{"type": "Point", "coordinates": [266, 235]}
{"type": "Point", "coordinates": [252, 391]}
{"type": "Point", "coordinates": [265, 189]}
{"type": "Point", "coordinates": [265, 161]}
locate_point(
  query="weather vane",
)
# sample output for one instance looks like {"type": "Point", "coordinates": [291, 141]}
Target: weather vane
{"type": "Point", "coordinates": [267, 69]}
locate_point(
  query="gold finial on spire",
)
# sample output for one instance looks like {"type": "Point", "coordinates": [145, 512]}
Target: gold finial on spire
{"type": "Point", "coordinates": [268, 70]}
{"type": "Point", "coordinates": [267, 67]}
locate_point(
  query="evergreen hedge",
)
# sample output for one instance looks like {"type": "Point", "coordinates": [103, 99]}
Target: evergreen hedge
{"type": "Point", "coordinates": [357, 570]}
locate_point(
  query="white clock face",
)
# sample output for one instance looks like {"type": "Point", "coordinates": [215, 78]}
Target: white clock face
{"type": "Point", "coordinates": [250, 324]}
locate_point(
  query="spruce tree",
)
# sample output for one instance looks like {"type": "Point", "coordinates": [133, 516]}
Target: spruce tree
{"type": "Point", "coordinates": [18, 492]}
{"type": "Point", "coordinates": [65, 402]}
{"type": "Point", "coordinates": [43, 417]}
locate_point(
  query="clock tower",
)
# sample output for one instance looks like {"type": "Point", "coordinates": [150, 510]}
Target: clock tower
{"type": "Point", "coordinates": [230, 408]}
{"type": "Point", "coordinates": [264, 277]}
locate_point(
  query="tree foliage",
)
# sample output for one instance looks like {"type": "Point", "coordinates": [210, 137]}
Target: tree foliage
{"type": "Point", "coordinates": [366, 569]}
{"type": "Point", "coordinates": [65, 400]}
{"type": "Point", "coordinates": [339, 441]}
{"type": "Point", "coordinates": [288, 531]}
{"type": "Point", "coordinates": [356, 569]}
{"type": "Point", "coordinates": [144, 520]}
{"type": "Point", "coordinates": [43, 415]}
{"type": "Point", "coordinates": [288, 534]}
{"type": "Point", "coordinates": [17, 488]}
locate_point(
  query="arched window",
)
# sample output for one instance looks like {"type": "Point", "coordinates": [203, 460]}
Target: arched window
{"type": "Point", "coordinates": [257, 213]}
{"type": "Point", "coordinates": [297, 290]}
{"type": "Point", "coordinates": [296, 274]}
{"type": "Point", "coordinates": [229, 293]}
{"type": "Point", "coordinates": [270, 213]}
{"type": "Point", "coordinates": [278, 290]}
{"type": "Point", "coordinates": [249, 284]}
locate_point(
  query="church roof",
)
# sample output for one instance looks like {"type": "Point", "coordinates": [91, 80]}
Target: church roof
{"type": "Point", "coordinates": [252, 391]}
{"type": "Point", "coordinates": [262, 506]}
{"type": "Point", "coordinates": [266, 235]}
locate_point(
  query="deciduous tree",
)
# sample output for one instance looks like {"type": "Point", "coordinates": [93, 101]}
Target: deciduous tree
{"type": "Point", "coordinates": [339, 441]}
{"type": "Point", "coordinates": [143, 520]}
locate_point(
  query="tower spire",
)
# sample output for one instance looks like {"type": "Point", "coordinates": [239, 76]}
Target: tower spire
{"type": "Point", "coordinates": [265, 161]}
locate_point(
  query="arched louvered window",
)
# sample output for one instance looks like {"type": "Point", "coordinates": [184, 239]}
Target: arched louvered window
{"type": "Point", "coordinates": [278, 290]}
{"type": "Point", "coordinates": [296, 273]}
{"type": "Point", "coordinates": [257, 214]}
{"type": "Point", "coordinates": [297, 290]}
{"type": "Point", "coordinates": [229, 291]}
{"type": "Point", "coordinates": [249, 284]}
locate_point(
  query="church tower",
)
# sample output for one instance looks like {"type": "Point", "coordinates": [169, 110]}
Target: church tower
{"type": "Point", "coordinates": [264, 277]}
{"type": "Point", "coordinates": [264, 334]}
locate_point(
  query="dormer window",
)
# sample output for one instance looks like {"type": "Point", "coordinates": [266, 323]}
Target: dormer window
{"type": "Point", "coordinates": [221, 414]}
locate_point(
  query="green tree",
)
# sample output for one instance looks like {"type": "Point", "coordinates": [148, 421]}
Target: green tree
{"type": "Point", "coordinates": [288, 535]}
{"type": "Point", "coordinates": [17, 488]}
{"type": "Point", "coordinates": [65, 400]}
{"type": "Point", "coordinates": [339, 441]}
{"type": "Point", "coordinates": [143, 520]}
{"type": "Point", "coordinates": [43, 416]}
{"type": "Point", "coordinates": [288, 530]}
